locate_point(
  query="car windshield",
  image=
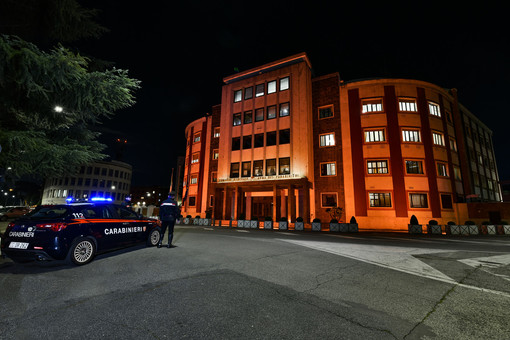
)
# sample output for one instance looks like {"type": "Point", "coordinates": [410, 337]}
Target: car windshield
{"type": "Point", "coordinates": [48, 212]}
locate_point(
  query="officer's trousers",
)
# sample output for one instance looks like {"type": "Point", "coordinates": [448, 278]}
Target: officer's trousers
{"type": "Point", "coordinates": [170, 226]}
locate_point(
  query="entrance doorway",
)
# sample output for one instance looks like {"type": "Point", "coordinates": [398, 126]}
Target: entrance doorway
{"type": "Point", "coordinates": [261, 207]}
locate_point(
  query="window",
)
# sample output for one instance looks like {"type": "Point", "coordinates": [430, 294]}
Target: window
{"type": "Point", "coordinates": [418, 201]}
{"type": "Point", "coordinates": [196, 138]}
{"type": "Point", "coordinates": [284, 136]}
{"type": "Point", "coordinates": [457, 174]}
{"type": "Point", "coordinates": [377, 167]}
{"type": "Point", "coordinates": [271, 138]}
{"type": "Point", "coordinates": [414, 167]}
{"type": "Point", "coordinates": [328, 199]}
{"type": "Point", "coordinates": [259, 115]}
{"type": "Point", "coordinates": [237, 119]}
{"type": "Point", "coordinates": [216, 132]}
{"type": "Point", "coordinates": [258, 140]}
{"type": "Point", "coordinates": [193, 179]}
{"type": "Point", "coordinates": [270, 167]}
{"type": "Point", "coordinates": [284, 166]}
{"type": "Point", "coordinates": [246, 169]}
{"type": "Point", "coordinates": [434, 109]}
{"type": "Point", "coordinates": [247, 119]}
{"type": "Point", "coordinates": [259, 90]}
{"type": "Point", "coordinates": [453, 144]}
{"type": "Point", "coordinates": [284, 109]}
{"type": "Point", "coordinates": [379, 199]}
{"type": "Point", "coordinates": [437, 139]}
{"type": "Point", "coordinates": [448, 116]}
{"type": "Point", "coordinates": [215, 154]}
{"type": "Point", "coordinates": [234, 170]}
{"type": "Point", "coordinates": [238, 96]}
{"type": "Point", "coordinates": [408, 105]}
{"type": "Point", "coordinates": [325, 112]}
{"type": "Point", "coordinates": [328, 169]}
{"type": "Point", "coordinates": [372, 105]}
{"type": "Point", "coordinates": [271, 86]}
{"type": "Point", "coordinates": [372, 136]}
{"type": "Point", "coordinates": [442, 169]}
{"type": "Point", "coordinates": [247, 142]}
{"type": "Point", "coordinates": [248, 93]}
{"type": "Point", "coordinates": [327, 139]}
{"type": "Point", "coordinates": [446, 201]}
{"type": "Point", "coordinates": [214, 177]}
{"type": "Point", "coordinates": [258, 168]}
{"type": "Point", "coordinates": [411, 136]}
{"type": "Point", "coordinates": [236, 143]}
{"type": "Point", "coordinates": [195, 158]}
{"type": "Point", "coordinates": [271, 112]}
{"type": "Point", "coordinates": [284, 84]}
{"type": "Point", "coordinates": [192, 201]}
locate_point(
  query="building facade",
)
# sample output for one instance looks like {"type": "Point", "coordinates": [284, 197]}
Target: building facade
{"type": "Point", "coordinates": [283, 144]}
{"type": "Point", "coordinates": [106, 179]}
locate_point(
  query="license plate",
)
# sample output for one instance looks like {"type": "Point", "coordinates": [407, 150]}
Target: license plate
{"type": "Point", "coordinates": [18, 245]}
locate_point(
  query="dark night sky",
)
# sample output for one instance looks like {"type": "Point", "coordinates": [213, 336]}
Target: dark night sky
{"type": "Point", "coordinates": [181, 52]}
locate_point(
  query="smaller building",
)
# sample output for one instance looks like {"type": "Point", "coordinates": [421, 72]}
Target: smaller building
{"type": "Point", "coordinates": [107, 179]}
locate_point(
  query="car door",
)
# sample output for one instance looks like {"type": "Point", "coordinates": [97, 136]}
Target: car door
{"type": "Point", "coordinates": [128, 219]}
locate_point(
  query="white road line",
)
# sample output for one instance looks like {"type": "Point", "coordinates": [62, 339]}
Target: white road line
{"type": "Point", "coordinates": [242, 231]}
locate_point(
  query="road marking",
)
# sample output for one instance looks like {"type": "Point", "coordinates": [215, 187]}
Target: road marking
{"type": "Point", "coordinates": [391, 257]}
{"type": "Point", "coordinates": [488, 261]}
{"type": "Point", "coordinates": [242, 231]}
{"type": "Point", "coordinates": [208, 229]}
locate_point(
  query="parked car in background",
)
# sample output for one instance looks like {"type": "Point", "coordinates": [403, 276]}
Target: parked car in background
{"type": "Point", "coordinates": [11, 213]}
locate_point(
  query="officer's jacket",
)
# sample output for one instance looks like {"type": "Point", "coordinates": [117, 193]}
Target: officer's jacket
{"type": "Point", "coordinates": [169, 211]}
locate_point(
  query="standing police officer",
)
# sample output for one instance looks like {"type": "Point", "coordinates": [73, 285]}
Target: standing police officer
{"type": "Point", "coordinates": [168, 213]}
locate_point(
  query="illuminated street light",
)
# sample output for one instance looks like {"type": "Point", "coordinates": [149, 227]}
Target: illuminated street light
{"type": "Point", "coordinates": [58, 108]}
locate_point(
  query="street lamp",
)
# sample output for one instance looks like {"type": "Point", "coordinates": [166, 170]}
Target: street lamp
{"type": "Point", "coordinates": [58, 108]}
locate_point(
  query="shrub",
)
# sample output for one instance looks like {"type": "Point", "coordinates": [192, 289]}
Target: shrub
{"type": "Point", "coordinates": [253, 218]}
{"type": "Point", "coordinates": [242, 216]}
{"type": "Point", "coordinates": [198, 216]}
{"type": "Point", "coordinates": [414, 220]}
{"type": "Point", "coordinates": [469, 223]}
{"type": "Point", "coordinates": [451, 223]}
{"type": "Point", "coordinates": [188, 216]}
{"type": "Point", "coordinates": [283, 219]}
{"type": "Point", "coordinates": [432, 222]}
{"type": "Point", "coordinates": [503, 222]}
{"type": "Point", "coordinates": [353, 220]}
{"type": "Point", "coordinates": [317, 220]}
{"type": "Point", "coordinates": [299, 219]}
{"type": "Point", "coordinates": [268, 218]}
{"type": "Point", "coordinates": [333, 220]}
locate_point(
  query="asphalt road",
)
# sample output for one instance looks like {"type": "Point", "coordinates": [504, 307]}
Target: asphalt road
{"type": "Point", "coordinates": [221, 283]}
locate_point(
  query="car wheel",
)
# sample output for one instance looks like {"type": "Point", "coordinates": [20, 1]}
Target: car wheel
{"type": "Point", "coordinates": [82, 251]}
{"type": "Point", "coordinates": [154, 236]}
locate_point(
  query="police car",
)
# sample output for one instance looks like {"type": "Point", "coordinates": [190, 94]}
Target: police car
{"type": "Point", "coordinates": [76, 232]}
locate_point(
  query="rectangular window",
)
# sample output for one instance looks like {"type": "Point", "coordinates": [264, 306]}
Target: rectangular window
{"type": "Point", "coordinates": [326, 112]}
{"type": "Point", "coordinates": [215, 154]}
{"type": "Point", "coordinates": [379, 199]}
{"type": "Point", "coordinates": [193, 179]}
{"type": "Point", "coordinates": [246, 169]}
{"type": "Point", "coordinates": [248, 93]}
{"type": "Point", "coordinates": [327, 139]}
{"type": "Point", "coordinates": [328, 199]}
{"type": "Point", "coordinates": [237, 119]}
{"type": "Point", "coordinates": [270, 167]}
{"type": "Point", "coordinates": [271, 112]}
{"type": "Point", "coordinates": [271, 86]}
{"type": "Point", "coordinates": [234, 170]}
{"type": "Point", "coordinates": [284, 166]}
{"type": "Point", "coordinates": [457, 173]}
{"type": "Point", "coordinates": [407, 105]}
{"type": "Point", "coordinates": [192, 201]}
{"type": "Point", "coordinates": [377, 167]}
{"type": "Point", "coordinates": [258, 140]}
{"type": "Point", "coordinates": [247, 142]}
{"type": "Point", "coordinates": [328, 169]}
{"type": "Point", "coordinates": [236, 143]}
{"type": "Point", "coordinates": [259, 115]}
{"type": "Point", "coordinates": [284, 84]}
{"type": "Point", "coordinates": [259, 90]}
{"type": "Point", "coordinates": [238, 96]}
{"type": "Point", "coordinates": [284, 109]}
{"type": "Point", "coordinates": [216, 132]}
{"type": "Point", "coordinates": [196, 138]}
{"type": "Point", "coordinates": [271, 138]}
{"type": "Point", "coordinates": [437, 139]}
{"type": "Point", "coordinates": [434, 109]}
{"type": "Point", "coordinates": [195, 158]}
{"type": "Point", "coordinates": [414, 167]}
{"type": "Point", "coordinates": [214, 177]}
{"type": "Point", "coordinates": [284, 136]}
{"type": "Point", "coordinates": [372, 105]}
{"type": "Point", "coordinates": [258, 168]}
{"type": "Point", "coordinates": [442, 169]}
{"type": "Point", "coordinates": [453, 144]}
{"type": "Point", "coordinates": [418, 201]}
{"type": "Point", "coordinates": [373, 136]}
{"type": "Point", "coordinates": [247, 119]}
{"type": "Point", "coordinates": [446, 201]}
{"type": "Point", "coordinates": [411, 136]}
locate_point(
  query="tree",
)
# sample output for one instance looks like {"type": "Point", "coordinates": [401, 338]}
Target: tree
{"type": "Point", "coordinates": [51, 100]}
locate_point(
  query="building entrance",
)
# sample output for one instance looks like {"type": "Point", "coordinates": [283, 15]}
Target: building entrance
{"type": "Point", "coordinates": [262, 207]}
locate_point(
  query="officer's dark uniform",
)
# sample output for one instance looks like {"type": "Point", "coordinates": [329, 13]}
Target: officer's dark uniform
{"type": "Point", "coordinates": [168, 213]}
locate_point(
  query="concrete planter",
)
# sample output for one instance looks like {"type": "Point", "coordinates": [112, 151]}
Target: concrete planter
{"type": "Point", "coordinates": [195, 221]}
{"type": "Point", "coordinates": [268, 224]}
{"type": "Point", "coordinates": [283, 225]}
{"type": "Point", "coordinates": [253, 224]}
{"type": "Point", "coordinates": [240, 223]}
{"type": "Point", "coordinates": [415, 228]}
{"type": "Point", "coordinates": [186, 220]}
{"type": "Point", "coordinates": [300, 226]}
{"type": "Point", "coordinates": [434, 229]}
{"type": "Point", "coordinates": [316, 226]}
{"type": "Point", "coordinates": [353, 227]}
{"type": "Point", "coordinates": [506, 229]}
{"type": "Point", "coordinates": [206, 221]}
{"type": "Point", "coordinates": [343, 227]}
{"type": "Point", "coordinates": [334, 227]}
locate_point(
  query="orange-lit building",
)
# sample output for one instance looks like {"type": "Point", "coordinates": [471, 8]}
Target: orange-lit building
{"type": "Point", "coordinates": [285, 144]}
